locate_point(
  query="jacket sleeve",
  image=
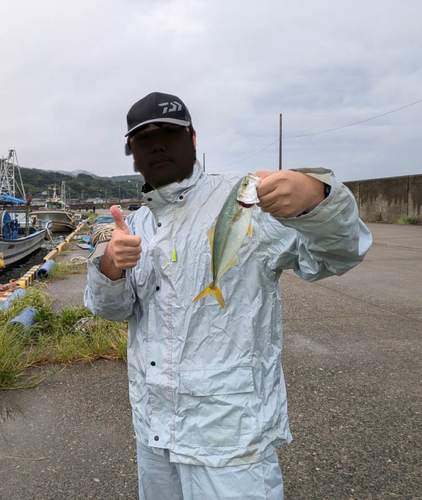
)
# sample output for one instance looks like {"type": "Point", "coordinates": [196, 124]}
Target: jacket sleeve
{"type": "Point", "coordinates": [112, 300]}
{"type": "Point", "coordinates": [328, 241]}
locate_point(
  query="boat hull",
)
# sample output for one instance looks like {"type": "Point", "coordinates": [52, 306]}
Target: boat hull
{"type": "Point", "coordinates": [62, 221]}
{"type": "Point", "coordinates": [16, 249]}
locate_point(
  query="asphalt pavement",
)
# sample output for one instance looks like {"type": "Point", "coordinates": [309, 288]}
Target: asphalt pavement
{"type": "Point", "coordinates": [352, 362]}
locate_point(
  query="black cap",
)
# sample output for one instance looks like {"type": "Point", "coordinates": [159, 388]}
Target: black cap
{"type": "Point", "coordinates": [157, 108]}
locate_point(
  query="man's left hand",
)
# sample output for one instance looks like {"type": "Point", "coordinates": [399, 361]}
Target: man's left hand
{"type": "Point", "coordinates": [286, 193]}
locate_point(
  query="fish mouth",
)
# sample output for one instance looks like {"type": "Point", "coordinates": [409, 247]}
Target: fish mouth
{"type": "Point", "coordinates": [245, 205]}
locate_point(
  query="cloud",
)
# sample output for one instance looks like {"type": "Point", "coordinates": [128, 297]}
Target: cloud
{"type": "Point", "coordinates": [71, 70]}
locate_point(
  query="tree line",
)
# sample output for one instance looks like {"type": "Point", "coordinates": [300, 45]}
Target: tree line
{"type": "Point", "coordinates": [82, 186]}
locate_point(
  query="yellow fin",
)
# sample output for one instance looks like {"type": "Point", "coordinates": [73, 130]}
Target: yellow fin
{"type": "Point", "coordinates": [250, 229]}
{"type": "Point", "coordinates": [214, 290]}
{"type": "Point", "coordinates": [210, 234]}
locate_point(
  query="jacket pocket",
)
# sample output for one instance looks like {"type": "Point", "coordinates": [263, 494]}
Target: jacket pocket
{"type": "Point", "coordinates": [216, 406]}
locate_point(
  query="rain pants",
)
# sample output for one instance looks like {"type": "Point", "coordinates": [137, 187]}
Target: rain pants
{"type": "Point", "coordinates": [164, 480]}
{"type": "Point", "coordinates": [206, 383]}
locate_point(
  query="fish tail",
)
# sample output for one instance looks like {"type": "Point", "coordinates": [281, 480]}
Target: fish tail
{"type": "Point", "coordinates": [214, 290]}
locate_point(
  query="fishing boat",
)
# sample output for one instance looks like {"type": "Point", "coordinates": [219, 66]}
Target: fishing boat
{"type": "Point", "coordinates": [12, 246]}
{"type": "Point", "coordinates": [56, 211]}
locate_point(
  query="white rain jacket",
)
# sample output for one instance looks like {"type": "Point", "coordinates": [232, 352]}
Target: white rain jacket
{"type": "Point", "coordinates": [205, 382]}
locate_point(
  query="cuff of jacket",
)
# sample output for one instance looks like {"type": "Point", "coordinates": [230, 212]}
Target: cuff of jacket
{"type": "Point", "coordinates": [112, 300]}
{"type": "Point", "coordinates": [339, 199]}
{"type": "Point", "coordinates": [94, 264]}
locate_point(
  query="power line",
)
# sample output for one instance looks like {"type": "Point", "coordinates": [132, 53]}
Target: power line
{"type": "Point", "coordinates": [355, 123]}
{"type": "Point", "coordinates": [250, 156]}
{"type": "Point", "coordinates": [324, 131]}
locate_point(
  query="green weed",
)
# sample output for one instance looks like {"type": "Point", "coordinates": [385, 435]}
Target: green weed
{"type": "Point", "coordinates": [408, 219]}
{"type": "Point", "coordinates": [73, 335]}
{"type": "Point", "coordinates": [61, 270]}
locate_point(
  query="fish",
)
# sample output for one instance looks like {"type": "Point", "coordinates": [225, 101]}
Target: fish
{"type": "Point", "coordinates": [228, 233]}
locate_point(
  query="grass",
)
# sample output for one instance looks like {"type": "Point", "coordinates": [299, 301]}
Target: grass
{"type": "Point", "coordinates": [92, 217]}
{"type": "Point", "coordinates": [408, 219]}
{"type": "Point", "coordinates": [89, 221]}
{"type": "Point", "coordinates": [61, 270]}
{"type": "Point", "coordinates": [76, 335]}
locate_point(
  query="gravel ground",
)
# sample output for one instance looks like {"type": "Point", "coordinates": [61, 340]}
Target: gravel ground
{"type": "Point", "coordinates": [352, 362]}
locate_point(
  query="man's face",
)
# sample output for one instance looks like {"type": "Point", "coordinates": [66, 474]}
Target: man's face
{"type": "Point", "coordinates": [163, 154]}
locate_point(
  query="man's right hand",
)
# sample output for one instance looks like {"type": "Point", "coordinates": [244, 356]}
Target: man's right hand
{"type": "Point", "coordinates": [123, 250]}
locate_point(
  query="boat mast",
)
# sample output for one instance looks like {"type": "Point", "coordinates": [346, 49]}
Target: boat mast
{"type": "Point", "coordinates": [10, 185]}
{"type": "Point", "coordinates": [63, 192]}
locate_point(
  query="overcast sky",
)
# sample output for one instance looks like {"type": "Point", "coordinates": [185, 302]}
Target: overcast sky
{"type": "Point", "coordinates": [70, 70]}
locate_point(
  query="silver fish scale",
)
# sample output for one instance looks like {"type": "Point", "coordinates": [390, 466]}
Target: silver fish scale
{"type": "Point", "coordinates": [230, 231]}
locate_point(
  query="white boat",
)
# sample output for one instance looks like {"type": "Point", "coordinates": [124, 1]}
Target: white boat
{"type": "Point", "coordinates": [28, 225]}
{"type": "Point", "coordinates": [56, 211]}
{"type": "Point", "coordinates": [13, 247]}
{"type": "Point", "coordinates": [62, 221]}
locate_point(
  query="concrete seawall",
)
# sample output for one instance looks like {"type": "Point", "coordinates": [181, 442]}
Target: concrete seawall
{"type": "Point", "coordinates": [388, 199]}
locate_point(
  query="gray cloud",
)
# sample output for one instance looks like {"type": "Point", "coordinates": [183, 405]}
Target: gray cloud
{"type": "Point", "coordinates": [71, 70]}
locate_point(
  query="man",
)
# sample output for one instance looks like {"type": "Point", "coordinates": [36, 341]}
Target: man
{"type": "Point", "coordinates": [206, 384]}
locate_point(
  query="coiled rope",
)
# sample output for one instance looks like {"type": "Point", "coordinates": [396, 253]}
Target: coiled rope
{"type": "Point", "coordinates": [102, 233]}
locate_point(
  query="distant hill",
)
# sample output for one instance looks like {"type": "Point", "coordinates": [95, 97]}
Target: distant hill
{"type": "Point", "coordinates": [75, 173]}
{"type": "Point", "coordinates": [81, 184]}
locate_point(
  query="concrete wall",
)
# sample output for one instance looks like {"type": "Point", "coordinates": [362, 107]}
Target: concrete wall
{"type": "Point", "coordinates": [388, 199]}
{"type": "Point", "coordinates": [415, 196]}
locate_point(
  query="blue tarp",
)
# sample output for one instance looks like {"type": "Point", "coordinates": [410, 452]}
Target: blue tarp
{"type": "Point", "coordinates": [10, 199]}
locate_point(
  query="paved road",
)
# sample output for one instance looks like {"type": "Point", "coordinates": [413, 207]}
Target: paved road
{"type": "Point", "coordinates": [352, 361]}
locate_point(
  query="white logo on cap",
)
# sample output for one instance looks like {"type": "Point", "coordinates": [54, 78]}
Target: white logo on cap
{"type": "Point", "coordinates": [174, 106]}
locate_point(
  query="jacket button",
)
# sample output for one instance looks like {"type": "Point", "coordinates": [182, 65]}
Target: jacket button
{"type": "Point", "coordinates": [152, 363]}
{"type": "Point", "coordinates": [156, 438]}
{"type": "Point", "coordinates": [159, 224]}
{"type": "Point", "coordinates": [157, 288]}
{"type": "Point", "coordinates": [149, 199]}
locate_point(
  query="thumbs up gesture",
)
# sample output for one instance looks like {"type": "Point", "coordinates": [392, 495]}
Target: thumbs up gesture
{"type": "Point", "coordinates": [123, 250]}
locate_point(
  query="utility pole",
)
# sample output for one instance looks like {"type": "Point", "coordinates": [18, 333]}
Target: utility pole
{"type": "Point", "coordinates": [280, 144]}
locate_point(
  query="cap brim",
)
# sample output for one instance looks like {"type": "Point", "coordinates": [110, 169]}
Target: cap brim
{"type": "Point", "coordinates": [173, 121]}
